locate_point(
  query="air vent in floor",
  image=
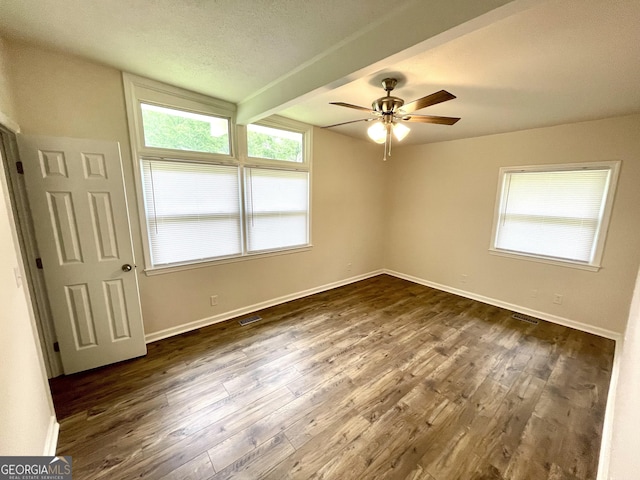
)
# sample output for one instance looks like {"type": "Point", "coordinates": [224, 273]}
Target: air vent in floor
{"type": "Point", "coordinates": [524, 318]}
{"type": "Point", "coordinates": [248, 320]}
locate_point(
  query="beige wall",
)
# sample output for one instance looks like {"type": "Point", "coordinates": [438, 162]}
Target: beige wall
{"type": "Point", "coordinates": [27, 419]}
{"type": "Point", "coordinates": [62, 95]}
{"type": "Point", "coordinates": [346, 229]}
{"type": "Point", "coordinates": [427, 187]}
{"type": "Point", "coordinates": [26, 411]}
{"type": "Point", "coordinates": [442, 199]}
{"type": "Point", "coordinates": [7, 110]}
{"type": "Point", "coordinates": [624, 459]}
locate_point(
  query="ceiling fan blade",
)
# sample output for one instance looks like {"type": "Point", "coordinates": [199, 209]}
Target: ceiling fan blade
{"type": "Point", "coordinates": [434, 98]}
{"type": "Point", "coordinates": [348, 105]}
{"type": "Point", "coordinates": [431, 119]}
{"type": "Point", "coordinates": [352, 121]}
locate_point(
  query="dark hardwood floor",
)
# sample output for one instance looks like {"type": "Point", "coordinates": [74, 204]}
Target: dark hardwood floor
{"type": "Point", "coordinates": [379, 379]}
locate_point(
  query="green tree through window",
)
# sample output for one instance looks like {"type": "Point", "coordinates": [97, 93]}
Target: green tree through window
{"type": "Point", "coordinates": [274, 143]}
{"type": "Point", "coordinates": [177, 132]}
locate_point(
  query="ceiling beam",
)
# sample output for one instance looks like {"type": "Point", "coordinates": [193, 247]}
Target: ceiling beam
{"type": "Point", "coordinates": [409, 29]}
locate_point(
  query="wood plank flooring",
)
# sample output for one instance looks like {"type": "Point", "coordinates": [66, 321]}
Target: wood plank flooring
{"type": "Point", "coordinates": [381, 379]}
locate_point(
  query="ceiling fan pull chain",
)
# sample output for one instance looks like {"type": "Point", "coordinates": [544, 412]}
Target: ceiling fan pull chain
{"type": "Point", "coordinates": [387, 145]}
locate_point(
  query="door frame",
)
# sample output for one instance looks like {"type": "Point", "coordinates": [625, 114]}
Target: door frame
{"type": "Point", "coordinates": [29, 251]}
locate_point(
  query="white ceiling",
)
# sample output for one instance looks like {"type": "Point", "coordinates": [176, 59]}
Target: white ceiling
{"type": "Point", "coordinates": [512, 64]}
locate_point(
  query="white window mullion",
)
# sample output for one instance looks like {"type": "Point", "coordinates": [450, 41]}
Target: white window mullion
{"type": "Point", "coordinates": [246, 208]}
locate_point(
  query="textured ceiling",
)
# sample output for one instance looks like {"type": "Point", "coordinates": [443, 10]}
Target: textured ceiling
{"type": "Point", "coordinates": [512, 64]}
{"type": "Point", "coordinates": [225, 48]}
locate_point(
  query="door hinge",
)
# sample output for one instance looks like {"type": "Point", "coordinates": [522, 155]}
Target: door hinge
{"type": "Point", "coordinates": [20, 168]}
{"type": "Point", "coordinates": [39, 263]}
{"type": "Point", "coordinates": [56, 347]}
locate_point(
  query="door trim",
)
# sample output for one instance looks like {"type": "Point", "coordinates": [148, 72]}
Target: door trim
{"type": "Point", "coordinates": [28, 248]}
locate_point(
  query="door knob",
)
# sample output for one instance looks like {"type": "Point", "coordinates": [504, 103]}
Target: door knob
{"type": "Point", "coordinates": [126, 267]}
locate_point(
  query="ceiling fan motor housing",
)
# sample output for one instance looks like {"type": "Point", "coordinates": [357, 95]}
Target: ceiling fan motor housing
{"type": "Point", "coordinates": [387, 105]}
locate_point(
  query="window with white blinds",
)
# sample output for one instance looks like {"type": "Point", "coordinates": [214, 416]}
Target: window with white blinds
{"type": "Point", "coordinates": [557, 213]}
{"type": "Point", "coordinates": [277, 206]}
{"type": "Point", "coordinates": [192, 209]}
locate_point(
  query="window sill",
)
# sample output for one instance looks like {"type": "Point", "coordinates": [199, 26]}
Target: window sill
{"type": "Point", "coordinates": [547, 260]}
{"type": "Point", "coordinates": [223, 261]}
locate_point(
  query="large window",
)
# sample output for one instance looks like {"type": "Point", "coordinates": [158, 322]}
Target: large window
{"type": "Point", "coordinates": [201, 199]}
{"type": "Point", "coordinates": [555, 213]}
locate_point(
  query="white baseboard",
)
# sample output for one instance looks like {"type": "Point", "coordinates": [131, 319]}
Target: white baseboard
{"type": "Point", "coordinates": [204, 322]}
{"type": "Point", "coordinates": [51, 442]}
{"type": "Point", "coordinates": [584, 327]}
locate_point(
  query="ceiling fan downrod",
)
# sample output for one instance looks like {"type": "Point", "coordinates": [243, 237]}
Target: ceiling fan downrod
{"type": "Point", "coordinates": [387, 105]}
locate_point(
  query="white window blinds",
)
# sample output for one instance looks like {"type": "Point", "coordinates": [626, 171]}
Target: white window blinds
{"type": "Point", "coordinates": [556, 214]}
{"type": "Point", "coordinates": [193, 210]}
{"type": "Point", "coordinates": [277, 206]}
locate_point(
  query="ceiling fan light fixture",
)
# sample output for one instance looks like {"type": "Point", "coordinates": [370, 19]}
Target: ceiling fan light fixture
{"type": "Point", "coordinates": [400, 131]}
{"type": "Point", "coordinates": [377, 132]}
{"type": "Point", "coordinates": [390, 112]}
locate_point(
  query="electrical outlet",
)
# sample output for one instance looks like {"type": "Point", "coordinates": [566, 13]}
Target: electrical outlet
{"type": "Point", "coordinates": [534, 293]}
{"type": "Point", "coordinates": [349, 267]}
{"type": "Point", "coordinates": [214, 300]}
{"type": "Point", "coordinates": [557, 299]}
{"type": "Point", "coordinates": [464, 278]}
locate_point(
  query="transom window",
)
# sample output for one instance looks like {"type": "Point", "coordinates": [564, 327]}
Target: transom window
{"type": "Point", "coordinates": [274, 143]}
{"type": "Point", "coordinates": [180, 130]}
{"type": "Point", "coordinates": [557, 213]}
{"type": "Point", "coordinates": [200, 202]}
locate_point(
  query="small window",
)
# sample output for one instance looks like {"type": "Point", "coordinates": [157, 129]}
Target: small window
{"type": "Point", "coordinates": [182, 130]}
{"type": "Point", "coordinates": [558, 213]}
{"type": "Point", "coordinates": [192, 210]}
{"type": "Point", "coordinates": [277, 206]}
{"type": "Point", "coordinates": [274, 143]}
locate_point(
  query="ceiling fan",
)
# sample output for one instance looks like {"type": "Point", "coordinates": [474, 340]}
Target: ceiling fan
{"type": "Point", "coordinates": [389, 112]}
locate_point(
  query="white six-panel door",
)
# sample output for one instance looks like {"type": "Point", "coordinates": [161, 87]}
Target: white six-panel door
{"type": "Point", "coordinates": [77, 198]}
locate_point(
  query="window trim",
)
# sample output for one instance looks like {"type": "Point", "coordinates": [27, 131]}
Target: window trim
{"type": "Point", "coordinates": [143, 90]}
{"type": "Point", "coordinates": [601, 234]}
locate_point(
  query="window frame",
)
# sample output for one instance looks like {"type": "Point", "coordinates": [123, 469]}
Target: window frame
{"type": "Point", "coordinates": [248, 217]}
{"type": "Point", "coordinates": [142, 90]}
{"type": "Point", "coordinates": [281, 123]}
{"type": "Point", "coordinates": [239, 205]}
{"type": "Point", "coordinates": [601, 234]}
